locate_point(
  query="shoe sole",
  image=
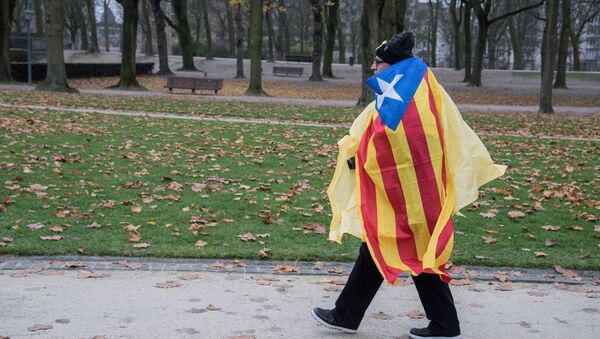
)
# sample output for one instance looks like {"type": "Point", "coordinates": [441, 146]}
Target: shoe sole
{"type": "Point", "coordinates": [414, 336]}
{"type": "Point", "coordinates": [332, 327]}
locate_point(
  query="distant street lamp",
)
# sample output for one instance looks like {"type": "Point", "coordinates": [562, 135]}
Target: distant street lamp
{"type": "Point", "coordinates": [28, 13]}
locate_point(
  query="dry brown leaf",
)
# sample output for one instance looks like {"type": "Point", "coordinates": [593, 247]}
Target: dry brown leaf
{"type": "Point", "coordinates": [264, 252]}
{"type": "Point", "coordinates": [489, 240]}
{"type": "Point", "coordinates": [108, 204]}
{"type": "Point", "coordinates": [141, 245]}
{"type": "Point", "coordinates": [415, 314]}
{"type": "Point", "coordinates": [516, 214]}
{"type": "Point", "coordinates": [189, 276]}
{"type": "Point", "coordinates": [567, 273]}
{"type": "Point", "coordinates": [551, 228]}
{"type": "Point", "coordinates": [136, 209]}
{"type": "Point", "coordinates": [550, 243]}
{"type": "Point", "coordinates": [94, 225]}
{"type": "Point", "coordinates": [39, 327]}
{"type": "Point", "coordinates": [56, 228]}
{"type": "Point", "coordinates": [212, 307]}
{"type": "Point", "coordinates": [461, 282]}
{"type": "Point", "coordinates": [263, 282]}
{"type": "Point", "coordinates": [200, 243]}
{"type": "Point", "coordinates": [52, 237]}
{"type": "Point", "coordinates": [540, 254]}
{"type": "Point", "coordinates": [131, 265]}
{"type": "Point", "coordinates": [35, 226]}
{"type": "Point", "coordinates": [381, 315]}
{"type": "Point", "coordinates": [285, 268]}
{"type": "Point", "coordinates": [501, 277]}
{"type": "Point", "coordinates": [247, 237]}
{"type": "Point", "coordinates": [488, 215]}
{"type": "Point", "coordinates": [505, 286]}
{"type": "Point", "coordinates": [315, 227]}
{"type": "Point", "coordinates": [336, 270]}
{"type": "Point", "coordinates": [168, 284]}
{"type": "Point", "coordinates": [90, 274]}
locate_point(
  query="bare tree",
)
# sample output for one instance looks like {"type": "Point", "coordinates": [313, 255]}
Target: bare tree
{"type": "Point", "coordinates": [467, 39]}
{"type": "Point", "coordinates": [146, 28]}
{"type": "Point", "coordinates": [284, 26]}
{"type": "Point", "coordinates": [563, 47]}
{"type": "Point", "coordinates": [584, 11]}
{"type": "Point", "coordinates": [106, 3]}
{"type": "Point", "coordinates": [56, 74]}
{"type": "Point", "coordinates": [161, 38]}
{"type": "Point", "coordinates": [366, 51]}
{"type": "Point", "coordinates": [7, 8]}
{"type": "Point", "coordinates": [39, 16]}
{"type": "Point", "coordinates": [239, 38]}
{"type": "Point", "coordinates": [230, 30]}
{"type": "Point", "coordinates": [331, 14]}
{"type": "Point", "coordinates": [78, 11]}
{"type": "Point", "coordinates": [317, 10]}
{"type": "Point", "coordinates": [548, 56]}
{"type": "Point", "coordinates": [482, 11]}
{"type": "Point", "coordinates": [128, 80]}
{"type": "Point", "coordinates": [208, 52]}
{"type": "Point", "coordinates": [433, 24]}
{"type": "Point", "coordinates": [91, 14]}
{"type": "Point", "coordinates": [341, 37]}
{"type": "Point", "coordinates": [256, 16]}
{"type": "Point", "coordinates": [456, 15]}
{"type": "Point", "coordinates": [270, 31]}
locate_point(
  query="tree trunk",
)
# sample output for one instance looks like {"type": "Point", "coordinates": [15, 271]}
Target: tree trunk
{"type": "Point", "coordinates": [366, 52]}
{"type": "Point", "coordinates": [456, 21]}
{"type": "Point", "coordinates": [468, 49]}
{"type": "Point", "coordinates": [146, 29]}
{"type": "Point", "coordinates": [575, 48]}
{"type": "Point", "coordinates": [106, 35]}
{"type": "Point", "coordinates": [548, 56]}
{"type": "Point", "coordinates": [284, 26]}
{"type": "Point", "coordinates": [91, 14]}
{"type": "Point", "coordinates": [184, 35]}
{"type": "Point", "coordinates": [209, 51]}
{"type": "Point", "coordinates": [401, 7]}
{"type": "Point", "coordinates": [341, 40]}
{"type": "Point", "coordinates": [230, 31]}
{"type": "Point", "coordinates": [256, 16]}
{"type": "Point", "coordinates": [270, 32]}
{"type": "Point", "coordinates": [128, 79]}
{"type": "Point", "coordinates": [317, 11]}
{"type": "Point", "coordinates": [433, 12]}
{"type": "Point", "coordinates": [56, 75]}
{"type": "Point", "coordinates": [81, 22]}
{"type": "Point", "coordinates": [331, 22]}
{"type": "Point", "coordinates": [161, 39]}
{"type": "Point", "coordinates": [7, 8]}
{"type": "Point", "coordinates": [479, 50]}
{"type": "Point", "coordinates": [563, 49]}
{"type": "Point", "coordinates": [39, 16]}
{"type": "Point", "coordinates": [239, 42]}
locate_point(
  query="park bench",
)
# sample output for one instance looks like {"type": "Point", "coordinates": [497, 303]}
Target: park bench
{"type": "Point", "coordinates": [194, 84]}
{"type": "Point", "coordinates": [298, 58]}
{"type": "Point", "coordinates": [287, 71]}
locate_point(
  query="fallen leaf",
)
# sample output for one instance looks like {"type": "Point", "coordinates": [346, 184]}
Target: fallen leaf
{"type": "Point", "coordinates": [285, 268]}
{"type": "Point", "coordinates": [212, 307]}
{"type": "Point", "coordinates": [551, 228]}
{"type": "Point", "coordinates": [381, 315]}
{"type": "Point", "coordinates": [415, 314]}
{"type": "Point", "coordinates": [131, 265]}
{"type": "Point", "coordinates": [550, 243]}
{"type": "Point", "coordinates": [567, 273]}
{"type": "Point", "coordinates": [461, 282]}
{"type": "Point", "coordinates": [39, 327]}
{"type": "Point", "coordinates": [168, 284]}
{"type": "Point", "coordinates": [505, 286]}
{"type": "Point", "coordinates": [489, 240]}
{"type": "Point", "coordinates": [141, 245]}
{"type": "Point", "coordinates": [247, 237]}
{"type": "Point", "coordinates": [501, 277]}
{"type": "Point", "coordinates": [487, 215]}
{"type": "Point", "coordinates": [35, 226]}
{"type": "Point", "coordinates": [516, 214]}
{"type": "Point", "coordinates": [336, 270]}
{"type": "Point", "coordinates": [89, 274]}
{"type": "Point", "coordinates": [136, 209]}
{"type": "Point", "coordinates": [56, 228]}
{"type": "Point", "coordinates": [108, 204]}
{"type": "Point", "coordinates": [264, 252]}
{"type": "Point", "coordinates": [52, 237]}
{"type": "Point", "coordinates": [200, 243]}
{"type": "Point", "coordinates": [94, 225]}
{"type": "Point", "coordinates": [189, 276]}
{"type": "Point", "coordinates": [540, 254]}
{"type": "Point", "coordinates": [315, 227]}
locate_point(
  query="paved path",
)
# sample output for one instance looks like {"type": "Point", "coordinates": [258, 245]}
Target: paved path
{"type": "Point", "coordinates": [318, 102]}
{"type": "Point", "coordinates": [202, 303]}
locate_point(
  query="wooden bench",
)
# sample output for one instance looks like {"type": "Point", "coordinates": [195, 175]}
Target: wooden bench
{"type": "Point", "coordinates": [287, 71]}
{"type": "Point", "coordinates": [298, 58]}
{"type": "Point", "coordinates": [194, 84]}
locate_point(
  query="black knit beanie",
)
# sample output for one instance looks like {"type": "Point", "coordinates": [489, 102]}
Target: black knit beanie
{"type": "Point", "coordinates": [397, 49]}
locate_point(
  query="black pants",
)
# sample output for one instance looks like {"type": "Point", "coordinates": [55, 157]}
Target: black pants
{"type": "Point", "coordinates": [365, 280]}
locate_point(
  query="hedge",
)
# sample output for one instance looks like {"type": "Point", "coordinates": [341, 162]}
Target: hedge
{"type": "Point", "coordinates": [76, 70]}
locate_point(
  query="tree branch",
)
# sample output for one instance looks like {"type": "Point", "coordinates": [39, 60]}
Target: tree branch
{"type": "Point", "coordinates": [168, 20]}
{"type": "Point", "coordinates": [526, 8]}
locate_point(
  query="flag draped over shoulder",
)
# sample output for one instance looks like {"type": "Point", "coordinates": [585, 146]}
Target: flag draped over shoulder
{"type": "Point", "coordinates": [417, 164]}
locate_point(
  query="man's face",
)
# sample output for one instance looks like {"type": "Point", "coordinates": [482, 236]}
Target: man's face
{"type": "Point", "coordinates": [379, 65]}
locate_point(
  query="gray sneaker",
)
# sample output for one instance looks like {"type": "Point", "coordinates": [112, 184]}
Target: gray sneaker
{"type": "Point", "coordinates": [325, 318]}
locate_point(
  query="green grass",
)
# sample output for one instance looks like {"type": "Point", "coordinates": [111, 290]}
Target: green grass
{"type": "Point", "coordinates": [523, 123]}
{"type": "Point", "coordinates": [87, 159]}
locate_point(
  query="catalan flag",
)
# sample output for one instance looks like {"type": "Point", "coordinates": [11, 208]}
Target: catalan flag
{"type": "Point", "coordinates": [417, 164]}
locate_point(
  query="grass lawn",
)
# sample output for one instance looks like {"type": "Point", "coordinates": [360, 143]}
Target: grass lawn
{"type": "Point", "coordinates": [98, 181]}
{"type": "Point", "coordinates": [507, 123]}
{"type": "Point", "coordinates": [570, 75]}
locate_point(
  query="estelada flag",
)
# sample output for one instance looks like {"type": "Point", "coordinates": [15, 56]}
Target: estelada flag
{"type": "Point", "coordinates": [417, 164]}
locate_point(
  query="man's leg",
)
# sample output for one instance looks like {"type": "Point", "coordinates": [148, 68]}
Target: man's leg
{"type": "Point", "coordinates": [438, 303]}
{"type": "Point", "coordinates": [363, 283]}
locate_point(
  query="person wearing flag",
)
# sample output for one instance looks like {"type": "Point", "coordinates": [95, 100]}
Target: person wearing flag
{"type": "Point", "coordinates": [408, 164]}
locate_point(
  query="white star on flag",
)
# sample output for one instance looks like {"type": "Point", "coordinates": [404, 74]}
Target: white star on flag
{"type": "Point", "coordinates": [387, 89]}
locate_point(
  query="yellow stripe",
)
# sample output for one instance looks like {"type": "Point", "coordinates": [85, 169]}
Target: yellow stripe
{"type": "Point", "coordinates": [386, 220]}
{"type": "Point", "coordinates": [410, 187]}
{"type": "Point", "coordinates": [431, 134]}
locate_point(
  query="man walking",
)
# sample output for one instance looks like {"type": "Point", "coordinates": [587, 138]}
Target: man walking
{"type": "Point", "coordinates": [408, 164]}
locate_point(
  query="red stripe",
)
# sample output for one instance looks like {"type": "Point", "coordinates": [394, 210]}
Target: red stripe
{"type": "Point", "coordinates": [439, 128]}
{"type": "Point", "coordinates": [369, 208]}
{"type": "Point", "coordinates": [445, 236]}
{"type": "Point", "coordinates": [417, 143]}
{"type": "Point", "coordinates": [389, 172]}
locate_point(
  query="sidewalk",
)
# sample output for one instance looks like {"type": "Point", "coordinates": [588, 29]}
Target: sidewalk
{"type": "Point", "coordinates": [180, 298]}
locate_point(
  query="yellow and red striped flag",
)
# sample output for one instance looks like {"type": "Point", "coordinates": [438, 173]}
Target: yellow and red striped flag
{"type": "Point", "coordinates": [417, 163]}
